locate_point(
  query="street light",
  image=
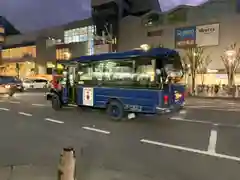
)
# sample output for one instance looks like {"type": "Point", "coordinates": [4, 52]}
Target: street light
{"type": "Point", "coordinates": [145, 47]}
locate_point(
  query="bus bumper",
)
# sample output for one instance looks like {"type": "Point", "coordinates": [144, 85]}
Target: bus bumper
{"type": "Point", "coordinates": [171, 109]}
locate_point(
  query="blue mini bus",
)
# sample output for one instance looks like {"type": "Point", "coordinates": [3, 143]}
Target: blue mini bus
{"type": "Point", "coordinates": [123, 83]}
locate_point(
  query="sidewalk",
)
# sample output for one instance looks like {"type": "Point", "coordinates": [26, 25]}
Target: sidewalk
{"type": "Point", "coordinates": [27, 172]}
{"type": "Point", "coordinates": [215, 97]}
{"type": "Point", "coordinates": [30, 172]}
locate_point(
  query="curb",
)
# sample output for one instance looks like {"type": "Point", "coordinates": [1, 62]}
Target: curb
{"type": "Point", "coordinates": [215, 98]}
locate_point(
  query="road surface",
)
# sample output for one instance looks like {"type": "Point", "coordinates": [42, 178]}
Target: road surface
{"type": "Point", "coordinates": [200, 142]}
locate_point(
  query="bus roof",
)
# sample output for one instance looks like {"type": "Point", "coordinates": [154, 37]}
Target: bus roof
{"type": "Point", "coordinates": [153, 52]}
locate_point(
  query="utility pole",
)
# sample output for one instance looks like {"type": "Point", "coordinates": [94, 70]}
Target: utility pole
{"type": "Point", "coordinates": [67, 165]}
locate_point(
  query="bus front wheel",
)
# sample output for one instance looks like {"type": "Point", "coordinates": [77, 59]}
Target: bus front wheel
{"type": "Point", "coordinates": [56, 103]}
{"type": "Point", "coordinates": [115, 110]}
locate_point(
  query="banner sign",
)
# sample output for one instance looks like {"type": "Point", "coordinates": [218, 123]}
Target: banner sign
{"type": "Point", "coordinates": [207, 35]}
{"type": "Point", "coordinates": [185, 37]}
{"type": "Point", "coordinates": [88, 96]}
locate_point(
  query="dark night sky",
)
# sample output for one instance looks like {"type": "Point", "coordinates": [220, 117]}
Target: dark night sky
{"type": "Point", "coordinates": [28, 15]}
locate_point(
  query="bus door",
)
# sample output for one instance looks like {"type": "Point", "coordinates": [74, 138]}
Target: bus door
{"type": "Point", "coordinates": [72, 84]}
{"type": "Point", "coordinates": [64, 87]}
{"type": "Point", "coordinates": [68, 85]}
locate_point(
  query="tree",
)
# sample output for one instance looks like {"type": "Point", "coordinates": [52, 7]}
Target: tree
{"type": "Point", "coordinates": [202, 69]}
{"type": "Point", "coordinates": [231, 60]}
{"type": "Point", "coordinates": [197, 60]}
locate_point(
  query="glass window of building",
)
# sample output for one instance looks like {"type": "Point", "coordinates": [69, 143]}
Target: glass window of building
{"type": "Point", "coordinates": [82, 34]}
{"type": "Point", "coordinates": [2, 39]}
{"type": "Point", "coordinates": [2, 30]}
{"type": "Point", "coordinates": [19, 52]}
{"type": "Point", "coordinates": [61, 54]}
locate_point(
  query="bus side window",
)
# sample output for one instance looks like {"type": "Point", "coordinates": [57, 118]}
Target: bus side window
{"type": "Point", "coordinates": [145, 73]}
{"type": "Point", "coordinates": [85, 75]}
{"type": "Point", "coordinates": [114, 72]}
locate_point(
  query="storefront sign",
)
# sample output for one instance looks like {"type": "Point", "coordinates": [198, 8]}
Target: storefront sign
{"type": "Point", "coordinates": [185, 37]}
{"type": "Point", "coordinates": [207, 35]}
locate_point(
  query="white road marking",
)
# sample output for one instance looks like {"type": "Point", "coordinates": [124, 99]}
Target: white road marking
{"type": "Point", "coordinates": [212, 141]}
{"type": "Point", "coordinates": [181, 148]}
{"type": "Point", "coordinates": [183, 112]}
{"type": "Point", "coordinates": [4, 109]}
{"type": "Point", "coordinates": [190, 120]}
{"type": "Point", "coordinates": [53, 120]}
{"type": "Point", "coordinates": [200, 106]}
{"type": "Point", "coordinates": [29, 94]}
{"type": "Point", "coordinates": [203, 122]}
{"type": "Point", "coordinates": [72, 105]}
{"type": "Point", "coordinates": [39, 105]}
{"type": "Point", "coordinates": [14, 102]}
{"type": "Point", "coordinates": [25, 114]}
{"type": "Point", "coordinates": [96, 130]}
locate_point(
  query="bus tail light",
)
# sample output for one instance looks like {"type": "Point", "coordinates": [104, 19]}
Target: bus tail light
{"type": "Point", "coordinates": [165, 99]}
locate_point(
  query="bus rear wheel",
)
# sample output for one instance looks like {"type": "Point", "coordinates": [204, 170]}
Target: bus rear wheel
{"type": "Point", "coordinates": [115, 110]}
{"type": "Point", "coordinates": [56, 103]}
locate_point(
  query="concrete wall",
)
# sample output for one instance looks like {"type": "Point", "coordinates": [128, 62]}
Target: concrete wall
{"type": "Point", "coordinates": [78, 49]}
{"type": "Point", "coordinates": [53, 32]}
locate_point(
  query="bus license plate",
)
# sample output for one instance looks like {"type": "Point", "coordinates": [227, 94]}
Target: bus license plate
{"type": "Point", "coordinates": [131, 115]}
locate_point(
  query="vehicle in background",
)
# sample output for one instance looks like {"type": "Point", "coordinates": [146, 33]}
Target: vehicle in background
{"type": "Point", "coordinates": [35, 83]}
{"type": "Point", "coordinates": [8, 85]}
{"type": "Point", "coordinates": [123, 83]}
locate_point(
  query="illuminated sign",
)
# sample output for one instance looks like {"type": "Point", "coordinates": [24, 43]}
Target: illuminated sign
{"type": "Point", "coordinates": [185, 37]}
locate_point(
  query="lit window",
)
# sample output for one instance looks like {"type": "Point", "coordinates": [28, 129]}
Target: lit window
{"type": "Point", "coordinates": [2, 30]}
{"type": "Point", "coordinates": [1, 39]}
{"type": "Point", "coordinates": [79, 34]}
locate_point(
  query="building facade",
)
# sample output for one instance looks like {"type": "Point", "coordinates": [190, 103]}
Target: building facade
{"type": "Point", "coordinates": [36, 52]}
{"type": "Point", "coordinates": [209, 26]}
{"type": "Point", "coordinates": [122, 25]}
